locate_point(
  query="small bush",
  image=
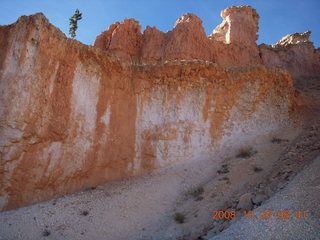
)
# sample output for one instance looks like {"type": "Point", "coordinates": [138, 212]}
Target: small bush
{"type": "Point", "coordinates": [179, 217]}
{"type": "Point", "coordinates": [246, 153]}
{"type": "Point", "coordinates": [84, 213]}
{"type": "Point", "coordinates": [224, 169]}
{"type": "Point", "coordinates": [46, 233]}
{"type": "Point", "coordinates": [276, 140]}
{"type": "Point", "coordinates": [89, 189]}
{"type": "Point", "coordinates": [199, 198]}
{"type": "Point", "coordinates": [196, 192]}
{"type": "Point", "coordinates": [257, 169]}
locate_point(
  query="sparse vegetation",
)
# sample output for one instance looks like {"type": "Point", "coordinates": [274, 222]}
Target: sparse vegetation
{"type": "Point", "coordinates": [224, 169]}
{"type": "Point", "coordinates": [74, 23]}
{"type": "Point", "coordinates": [179, 217]}
{"type": "Point", "coordinates": [246, 153]}
{"type": "Point", "coordinates": [196, 193]}
{"type": "Point", "coordinates": [46, 233]}
{"type": "Point", "coordinates": [199, 198]}
{"type": "Point", "coordinates": [84, 213]}
{"type": "Point", "coordinates": [89, 188]}
{"type": "Point", "coordinates": [276, 140]}
{"type": "Point", "coordinates": [257, 169]}
{"type": "Point", "coordinates": [225, 179]}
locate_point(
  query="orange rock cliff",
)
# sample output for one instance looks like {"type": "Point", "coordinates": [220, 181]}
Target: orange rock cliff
{"type": "Point", "coordinates": [75, 116]}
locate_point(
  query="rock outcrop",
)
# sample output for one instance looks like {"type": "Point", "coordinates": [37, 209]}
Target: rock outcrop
{"type": "Point", "coordinates": [240, 25]}
{"type": "Point", "coordinates": [123, 39]}
{"type": "Point", "coordinates": [188, 40]}
{"type": "Point", "coordinates": [74, 116]}
{"type": "Point", "coordinates": [294, 52]}
{"type": "Point", "coordinates": [295, 38]}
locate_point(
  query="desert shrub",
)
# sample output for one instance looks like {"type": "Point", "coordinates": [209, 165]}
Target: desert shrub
{"type": "Point", "coordinates": [257, 169]}
{"type": "Point", "coordinates": [84, 213]}
{"type": "Point", "coordinates": [276, 140]}
{"type": "Point", "coordinates": [196, 193]}
{"type": "Point", "coordinates": [224, 169]}
{"type": "Point", "coordinates": [46, 233]}
{"type": "Point", "coordinates": [246, 153]}
{"type": "Point", "coordinates": [179, 217]}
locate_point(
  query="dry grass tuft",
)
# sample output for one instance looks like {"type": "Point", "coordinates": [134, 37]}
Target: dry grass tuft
{"type": "Point", "coordinates": [246, 153]}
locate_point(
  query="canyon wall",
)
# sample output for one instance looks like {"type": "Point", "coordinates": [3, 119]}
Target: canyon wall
{"type": "Point", "coordinates": [294, 52]}
{"type": "Point", "coordinates": [187, 41]}
{"type": "Point", "coordinates": [75, 116]}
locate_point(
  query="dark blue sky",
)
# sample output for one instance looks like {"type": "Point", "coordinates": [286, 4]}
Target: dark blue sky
{"type": "Point", "coordinates": [277, 17]}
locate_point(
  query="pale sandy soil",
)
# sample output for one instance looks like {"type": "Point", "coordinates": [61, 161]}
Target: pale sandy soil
{"type": "Point", "coordinates": [144, 207]}
{"type": "Point", "coordinates": [301, 194]}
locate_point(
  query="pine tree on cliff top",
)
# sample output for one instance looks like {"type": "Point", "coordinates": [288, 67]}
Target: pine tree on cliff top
{"type": "Point", "coordinates": [74, 23]}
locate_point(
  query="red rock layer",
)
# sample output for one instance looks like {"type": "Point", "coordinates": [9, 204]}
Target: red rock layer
{"type": "Point", "coordinates": [187, 41]}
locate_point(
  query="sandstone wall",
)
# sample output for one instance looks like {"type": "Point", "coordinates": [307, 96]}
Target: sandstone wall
{"type": "Point", "coordinates": [294, 52]}
{"type": "Point", "coordinates": [73, 116]}
{"type": "Point", "coordinates": [187, 41]}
